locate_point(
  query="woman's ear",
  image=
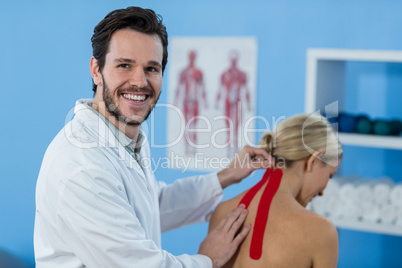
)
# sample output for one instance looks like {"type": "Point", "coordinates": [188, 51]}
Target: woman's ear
{"type": "Point", "coordinates": [312, 160]}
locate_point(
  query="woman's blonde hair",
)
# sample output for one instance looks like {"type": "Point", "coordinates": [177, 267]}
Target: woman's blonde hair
{"type": "Point", "coordinates": [299, 136]}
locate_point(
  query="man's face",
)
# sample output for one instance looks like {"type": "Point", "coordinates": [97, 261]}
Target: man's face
{"type": "Point", "coordinates": [131, 79]}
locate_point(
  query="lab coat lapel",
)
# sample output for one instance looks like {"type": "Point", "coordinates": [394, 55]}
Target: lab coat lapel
{"type": "Point", "coordinates": [131, 163]}
{"type": "Point", "coordinates": [104, 137]}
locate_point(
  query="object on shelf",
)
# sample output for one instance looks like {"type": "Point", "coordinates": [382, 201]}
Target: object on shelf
{"type": "Point", "coordinates": [381, 127]}
{"type": "Point", "coordinates": [398, 221]}
{"type": "Point", "coordinates": [388, 214]}
{"type": "Point", "coordinates": [363, 125]}
{"type": "Point", "coordinates": [382, 190]}
{"type": "Point", "coordinates": [347, 123]}
{"type": "Point", "coordinates": [372, 201]}
{"type": "Point", "coordinates": [395, 127]}
{"type": "Point", "coordinates": [396, 195]}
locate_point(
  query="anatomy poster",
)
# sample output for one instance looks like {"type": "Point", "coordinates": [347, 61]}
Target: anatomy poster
{"type": "Point", "coordinates": [211, 97]}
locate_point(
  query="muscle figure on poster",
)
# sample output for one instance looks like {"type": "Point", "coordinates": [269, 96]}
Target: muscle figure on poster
{"type": "Point", "coordinates": [216, 71]}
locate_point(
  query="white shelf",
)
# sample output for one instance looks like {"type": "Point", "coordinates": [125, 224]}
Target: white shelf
{"type": "Point", "coordinates": [369, 227]}
{"type": "Point", "coordinates": [355, 55]}
{"type": "Point", "coordinates": [325, 77]}
{"type": "Point", "coordinates": [325, 92]}
{"type": "Point", "coordinates": [388, 142]}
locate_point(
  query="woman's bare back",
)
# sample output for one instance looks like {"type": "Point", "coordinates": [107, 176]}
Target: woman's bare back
{"type": "Point", "coordinates": [294, 236]}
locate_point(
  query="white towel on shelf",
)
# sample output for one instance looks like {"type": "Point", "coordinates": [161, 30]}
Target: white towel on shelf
{"type": "Point", "coordinates": [364, 195]}
{"type": "Point", "coordinates": [340, 198]}
{"type": "Point", "coordinates": [398, 220]}
{"type": "Point", "coordinates": [351, 211]}
{"type": "Point", "coordinates": [335, 208]}
{"type": "Point", "coordinates": [382, 191]}
{"type": "Point", "coordinates": [388, 214]}
{"type": "Point", "coordinates": [347, 192]}
{"type": "Point", "coordinates": [319, 205]}
{"type": "Point", "coordinates": [332, 189]}
{"type": "Point", "coordinates": [371, 214]}
{"type": "Point", "coordinates": [396, 195]}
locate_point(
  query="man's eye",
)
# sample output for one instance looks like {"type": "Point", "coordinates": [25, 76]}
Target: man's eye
{"type": "Point", "coordinates": [125, 66]}
{"type": "Point", "coordinates": [152, 69]}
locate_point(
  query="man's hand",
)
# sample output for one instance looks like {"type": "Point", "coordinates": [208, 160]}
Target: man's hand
{"type": "Point", "coordinates": [245, 162]}
{"type": "Point", "coordinates": [222, 242]}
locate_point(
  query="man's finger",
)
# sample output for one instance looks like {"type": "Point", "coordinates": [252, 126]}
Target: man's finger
{"type": "Point", "coordinates": [261, 162]}
{"type": "Point", "coordinates": [260, 152]}
{"type": "Point", "coordinates": [238, 223]}
{"type": "Point", "coordinates": [234, 216]}
{"type": "Point", "coordinates": [227, 221]}
{"type": "Point", "coordinates": [240, 237]}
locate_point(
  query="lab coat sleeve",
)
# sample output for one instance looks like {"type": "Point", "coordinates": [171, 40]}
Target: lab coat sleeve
{"type": "Point", "coordinates": [188, 201]}
{"type": "Point", "coordinates": [102, 229]}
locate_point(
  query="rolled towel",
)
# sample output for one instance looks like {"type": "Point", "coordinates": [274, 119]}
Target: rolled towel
{"type": "Point", "coordinates": [335, 208]}
{"type": "Point", "coordinates": [351, 211]}
{"type": "Point", "coordinates": [321, 202]}
{"type": "Point", "coordinates": [396, 195]}
{"type": "Point", "coordinates": [347, 192]}
{"type": "Point", "coordinates": [371, 214]}
{"type": "Point", "coordinates": [398, 220]}
{"type": "Point", "coordinates": [332, 189]}
{"type": "Point", "coordinates": [382, 191]}
{"type": "Point", "coordinates": [364, 194]}
{"type": "Point", "coordinates": [388, 214]}
{"type": "Point", "coordinates": [341, 198]}
{"type": "Point", "coordinates": [319, 205]}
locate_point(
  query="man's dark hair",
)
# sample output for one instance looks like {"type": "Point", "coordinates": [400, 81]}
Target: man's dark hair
{"type": "Point", "coordinates": [134, 18]}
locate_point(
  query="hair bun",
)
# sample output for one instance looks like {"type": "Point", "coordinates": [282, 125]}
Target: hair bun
{"type": "Point", "coordinates": [266, 142]}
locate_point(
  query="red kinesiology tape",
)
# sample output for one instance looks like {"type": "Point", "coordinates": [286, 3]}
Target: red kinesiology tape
{"type": "Point", "coordinates": [263, 208]}
{"type": "Point", "coordinates": [246, 200]}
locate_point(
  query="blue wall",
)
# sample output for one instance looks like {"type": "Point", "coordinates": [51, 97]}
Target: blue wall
{"type": "Point", "coordinates": [45, 51]}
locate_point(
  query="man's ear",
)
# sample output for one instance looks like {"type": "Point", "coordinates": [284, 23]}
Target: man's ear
{"type": "Point", "coordinates": [312, 160]}
{"type": "Point", "coordinates": [95, 73]}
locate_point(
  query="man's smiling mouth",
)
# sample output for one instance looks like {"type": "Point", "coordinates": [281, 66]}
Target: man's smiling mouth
{"type": "Point", "coordinates": [135, 97]}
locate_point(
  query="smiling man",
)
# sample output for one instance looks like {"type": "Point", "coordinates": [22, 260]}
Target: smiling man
{"type": "Point", "coordinates": [96, 205]}
{"type": "Point", "coordinates": [130, 81]}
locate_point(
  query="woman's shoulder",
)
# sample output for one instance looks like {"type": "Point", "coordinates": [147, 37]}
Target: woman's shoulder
{"type": "Point", "coordinates": [313, 239]}
{"type": "Point", "coordinates": [313, 223]}
{"type": "Point", "coordinates": [318, 223]}
{"type": "Point", "coordinates": [321, 234]}
{"type": "Point", "coordinates": [302, 224]}
{"type": "Point", "coordinates": [223, 208]}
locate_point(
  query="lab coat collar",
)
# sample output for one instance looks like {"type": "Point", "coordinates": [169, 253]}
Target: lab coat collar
{"type": "Point", "coordinates": [105, 137]}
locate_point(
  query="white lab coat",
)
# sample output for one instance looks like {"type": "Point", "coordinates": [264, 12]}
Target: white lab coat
{"type": "Point", "coordinates": [96, 207]}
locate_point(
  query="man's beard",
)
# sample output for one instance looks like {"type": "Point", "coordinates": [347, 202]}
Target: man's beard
{"type": "Point", "coordinates": [115, 111]}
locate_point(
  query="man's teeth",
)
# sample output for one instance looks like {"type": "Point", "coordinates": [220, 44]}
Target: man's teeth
{"type": "Point", "coordinates": [134, 97]}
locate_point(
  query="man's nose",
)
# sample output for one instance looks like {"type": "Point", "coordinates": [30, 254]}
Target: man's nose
{"type": "Point", "coordinates": [138, 78]}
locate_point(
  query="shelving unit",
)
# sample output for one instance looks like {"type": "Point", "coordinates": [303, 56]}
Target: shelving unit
{"type": "Point", "coordinates": [371, 141]}
{"type": "Point", "coordinates": [325, 91]}
{"type": "Point", "coordinates": [369, 227]}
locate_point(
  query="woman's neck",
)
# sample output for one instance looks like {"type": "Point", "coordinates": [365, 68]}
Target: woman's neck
{"type": "Point", "coordinates": [292, 179]}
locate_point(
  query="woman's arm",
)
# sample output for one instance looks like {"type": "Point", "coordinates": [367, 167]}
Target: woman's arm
{"type": "Point", "coordinates": [325, 248]}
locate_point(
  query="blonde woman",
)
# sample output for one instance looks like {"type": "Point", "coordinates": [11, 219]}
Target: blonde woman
{"type": "Point", "coordinates": [306, 152]}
